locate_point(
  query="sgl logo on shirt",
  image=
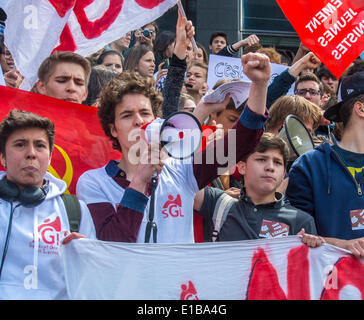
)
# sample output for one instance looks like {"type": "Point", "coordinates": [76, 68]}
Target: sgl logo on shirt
{"type": "Point", "coordinates": [49, 232]}
{"type": "Point", "coordinates": [173, 207]}
{"type": "Point", "coordinates": [49, 229]}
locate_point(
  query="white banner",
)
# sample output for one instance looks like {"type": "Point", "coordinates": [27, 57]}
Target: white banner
{"type": "Point", "coordinates": [222, 67]}
{"type": "Point", "coordinates": [280, 268]}
{"type": "Point", "coordinates": [35, 28]}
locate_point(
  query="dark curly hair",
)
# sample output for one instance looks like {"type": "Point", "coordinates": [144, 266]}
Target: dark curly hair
{"type": "Point", "coordinates": [123, 84]}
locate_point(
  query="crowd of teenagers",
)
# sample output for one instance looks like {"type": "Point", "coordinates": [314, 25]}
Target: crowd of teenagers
{"type": "Point", "coordinates": [151, 73]}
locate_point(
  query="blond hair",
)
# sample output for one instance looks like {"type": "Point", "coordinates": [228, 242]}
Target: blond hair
{"type": "Point", "coordinates": [296, 105]}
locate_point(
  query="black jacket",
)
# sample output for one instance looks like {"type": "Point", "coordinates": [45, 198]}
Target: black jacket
{"type": "Point", "coordinates": [245, 221]}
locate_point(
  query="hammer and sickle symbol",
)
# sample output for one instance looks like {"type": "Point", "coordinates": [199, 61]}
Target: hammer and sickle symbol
{"type": "Point", "coordinates": [68, 175]}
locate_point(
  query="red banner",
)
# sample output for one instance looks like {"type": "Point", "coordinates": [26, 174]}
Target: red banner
{"type": "Point", "coordinates": [332, 29]}
{"type": "Point", "coordinates": [80, 143]}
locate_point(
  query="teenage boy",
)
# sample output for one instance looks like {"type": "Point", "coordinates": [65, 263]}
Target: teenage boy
{"type": "Point", "coordinates": [261, 211]}
{"type": "Point", "coordinates": [64, 75]}
{"type": "Point", "coordinates": [283, 82]}
{"type": "Point", "coordinates": [328, 182]}
{"type": "Point", "coordinates": [118, 194]}
{"type": "Point", "coordinates": [218, 41]}
{"type": "Point", "coordinates": [33, 216]}
{"type": "Point", "coordinates": [196, 80]}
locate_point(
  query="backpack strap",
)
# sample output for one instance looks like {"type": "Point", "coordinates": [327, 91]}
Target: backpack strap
{"type": "Point", "coordinates": [73, 210]}
{"type": "Point", "coordinates": [222, 208]}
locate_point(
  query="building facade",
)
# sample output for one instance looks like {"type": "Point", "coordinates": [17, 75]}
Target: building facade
{"type": "Point", "coordinates": [239, 19]}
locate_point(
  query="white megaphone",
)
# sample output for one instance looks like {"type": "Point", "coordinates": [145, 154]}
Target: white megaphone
{"type": "Point", "coordinates": [180, 135]}
{"type": "Point", "coordinates": [297, 137]}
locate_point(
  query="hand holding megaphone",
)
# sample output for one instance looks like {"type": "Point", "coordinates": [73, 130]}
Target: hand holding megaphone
{"type": "Point", "coordinates": [151, 162]}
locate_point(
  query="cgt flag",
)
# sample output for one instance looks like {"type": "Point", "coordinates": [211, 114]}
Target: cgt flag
{"type": "Point", "coordinates": [80, 143]}
{"type": "Point", "coordinates": [332, 29]}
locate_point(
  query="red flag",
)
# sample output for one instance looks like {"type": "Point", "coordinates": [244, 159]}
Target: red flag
{"type": "Point", "coordinates": [332, 29]}
{"type": "Point", "coordinates": [80, 143]}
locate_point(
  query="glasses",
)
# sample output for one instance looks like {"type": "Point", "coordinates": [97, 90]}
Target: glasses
{"type": "Point", "coordinates": [303, 92]}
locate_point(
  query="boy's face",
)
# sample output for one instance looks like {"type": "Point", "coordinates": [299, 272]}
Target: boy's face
{"type": "Point", "coordinates": [303, 90]}
{"type": "Point", "coordinates": [217, 44]}
{"type": "Point", "coordinates": [67, 82]}
{"type": "Point", "coordinates": [131, 113]}
{"type": "Point", "coordinates": [27, 157]}
{"type": "Point", "coordinates": [196, 77]}
{"type": "Point", "coordinates": [227, 118]}
{"type": "Point", "coordinates": [263, 172]}
{"type": "Point", "coordinates": [333, 83]}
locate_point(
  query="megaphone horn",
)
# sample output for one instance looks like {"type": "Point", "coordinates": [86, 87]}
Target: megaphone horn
{"type": "Point", "coordinates": [180, 134]}
{"type": "Point", "coordinates": [296, 135]}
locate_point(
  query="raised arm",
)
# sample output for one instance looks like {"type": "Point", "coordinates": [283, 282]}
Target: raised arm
{"type": "Point", "coordinates": [177, 68]}
{"type": "Point", "coordinates": [232, 49]}
{"type": "Point", "coordinates": [257, 68]}
{"type": "Point", "coordinates": [245, 135]}
{"type": "Point", "coordinates": [283, 82]}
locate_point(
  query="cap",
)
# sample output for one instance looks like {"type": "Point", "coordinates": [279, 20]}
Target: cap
{"type": "Point", "coordinates": [350, 87]}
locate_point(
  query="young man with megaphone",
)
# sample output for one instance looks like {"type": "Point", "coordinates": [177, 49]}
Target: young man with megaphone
{"type": "Point", "coordinates": [119, 195]}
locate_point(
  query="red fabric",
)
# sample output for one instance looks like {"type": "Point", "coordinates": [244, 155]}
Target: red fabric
{"type": "Point", "coordinates": [78, 132]}
{"type": "Point", "coordinates": [198, 227]}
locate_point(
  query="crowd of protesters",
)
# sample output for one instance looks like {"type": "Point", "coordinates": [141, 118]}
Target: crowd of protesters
{"type": "Point", "coordinates": [152, 73]}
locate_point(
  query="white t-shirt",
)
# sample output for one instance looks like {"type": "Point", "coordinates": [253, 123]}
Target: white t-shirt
{"type": "Point", "coordinates": [174, 197]}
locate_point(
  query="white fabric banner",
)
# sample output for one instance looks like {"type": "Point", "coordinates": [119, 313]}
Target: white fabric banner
{"type": "Point", "coordinates": [222, 67]}
{"type": "Point", "coordinates": [32, 31]}
{"type": "Point", "coordinates": [280, 268]}
{"type": "Point", "coordinates": [35, 28]}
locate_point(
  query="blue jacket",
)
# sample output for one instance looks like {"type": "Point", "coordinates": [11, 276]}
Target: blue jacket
{"type": "Point", "coordinates": [320, 184]}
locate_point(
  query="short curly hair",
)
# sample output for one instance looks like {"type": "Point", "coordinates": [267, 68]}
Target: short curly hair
{"type": "Point", "coordinates": [123, 84]}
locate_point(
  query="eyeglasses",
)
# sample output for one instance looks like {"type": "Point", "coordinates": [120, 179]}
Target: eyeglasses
{"type": "Point", "coordinates": [303, 92]}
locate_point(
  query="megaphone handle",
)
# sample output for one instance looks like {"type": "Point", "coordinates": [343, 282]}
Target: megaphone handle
{"type": "Point", "coordinates": [151, 225]}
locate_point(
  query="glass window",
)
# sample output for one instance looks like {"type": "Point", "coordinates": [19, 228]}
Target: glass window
{"type": "Point", "coordinates": [264, 15]}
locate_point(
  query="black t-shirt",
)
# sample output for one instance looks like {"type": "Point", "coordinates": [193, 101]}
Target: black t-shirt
{"type": "Point", "coordinates": [354, 162]}
{"type": "Point", "coordinates": [245, 221]}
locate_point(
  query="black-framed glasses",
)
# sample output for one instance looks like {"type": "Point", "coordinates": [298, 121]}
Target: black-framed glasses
{"type": "Point", "coordinates": [303, 92]}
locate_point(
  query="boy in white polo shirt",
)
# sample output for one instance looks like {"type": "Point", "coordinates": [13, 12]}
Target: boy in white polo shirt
{"type": "Point", "coordinates": [118, 194]}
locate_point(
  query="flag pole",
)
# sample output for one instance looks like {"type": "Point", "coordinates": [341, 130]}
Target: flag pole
{"type": "Point", "coordinates": [193, 41]}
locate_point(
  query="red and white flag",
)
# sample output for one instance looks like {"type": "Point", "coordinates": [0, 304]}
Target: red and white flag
{"type": "Point", "coordinates": [35, 28]}
{"type": "Point", "coordinates": [332, 29]}
{"type": "Point", "coordinates": [265, 269]}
